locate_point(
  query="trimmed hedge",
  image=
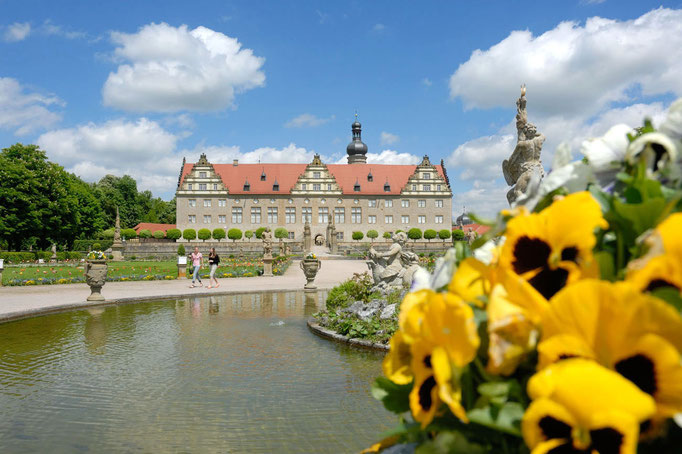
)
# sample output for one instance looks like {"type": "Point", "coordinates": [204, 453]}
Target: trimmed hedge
{"type": "Point", "coordinates": [414, 234]}
{"type": "Point", "coordinates": [159, 234]}
{"type": "Point", "coordinates": [372, 234]}
{"type": "Point", "coordinates": [281, 232]}
{"type": "Point", "coordinates": [219, 234]}
{"type": "Point", "coordinates": [444, 234]}
{"type": "Point", "coordinates": [204, 234]}
{"type": "Point", "coordinates": [430, 234]}
{"type": "Point", "coordinates": [128, 233]}
{"type": "Point", "coordinates": [189, 234]}
{"type": "Point", "coordinates": [357, 236]}
{"type": "Point", "coordinates": [259, 232]}
{"type": "Point", "coordinates": [235, 234]}
{"type": "Point", "coordinates": [145, 233]}
{"type": "Point", "coordinates": [19, 257]}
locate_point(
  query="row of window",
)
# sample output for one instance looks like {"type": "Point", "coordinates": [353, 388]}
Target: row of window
{"type": "Point", "coordinates": [314, 187]}
{"type": "Point", "coordinates": [307, 216]}
{"type": "Point", "coordinates": [371, 203]}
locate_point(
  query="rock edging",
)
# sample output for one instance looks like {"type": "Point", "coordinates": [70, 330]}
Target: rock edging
{"type": "Point", "coordinates": [316, 328]}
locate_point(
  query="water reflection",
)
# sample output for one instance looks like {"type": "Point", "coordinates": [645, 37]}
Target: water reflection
{"type": "Point", "coordinates": [235, 373]}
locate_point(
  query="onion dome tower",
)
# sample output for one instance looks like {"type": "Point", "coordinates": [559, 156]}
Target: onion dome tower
{"type": "Point", "coordinates": [357, 150]}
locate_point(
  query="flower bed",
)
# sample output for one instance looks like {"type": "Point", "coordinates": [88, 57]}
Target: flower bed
{"type": "Point", "coordinates": [133, 271]}
{"type": "Point", "coordinates": [561, 331]}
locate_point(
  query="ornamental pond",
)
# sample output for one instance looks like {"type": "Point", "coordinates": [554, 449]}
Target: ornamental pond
{"type": "Point", "coordinates": [229, 374]}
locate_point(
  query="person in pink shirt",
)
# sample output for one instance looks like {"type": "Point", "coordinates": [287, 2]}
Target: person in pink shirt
{"type": "Point", "coordinates": [197, 262]}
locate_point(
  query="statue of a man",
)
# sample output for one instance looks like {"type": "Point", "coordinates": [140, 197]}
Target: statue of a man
{"type": "Point", "coordinates": [267, 241]}
{"type": "Point", "coordinates": [525, 160]}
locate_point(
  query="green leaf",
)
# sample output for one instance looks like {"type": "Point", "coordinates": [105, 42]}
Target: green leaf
{"type": "Point", "coordinates": [607, 267]}
{"type": "Point", "coordinates": [394, 397]}
{"type": "Point", "coordinates": [450, 443]}
{"type": "Point", "coordinates": [494, 389]}
{"type": "Point", "coordinates": [506, 418]}
{"type": "Point", "coordinates": [670, 295]}
{"type": "Point", "coordinates": [641, 216]}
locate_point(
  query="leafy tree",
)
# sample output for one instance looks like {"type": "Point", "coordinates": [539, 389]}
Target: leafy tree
{"type": "Point", "coordinates": [387, 235]}
{"type": "Point", "coordinates": [248, 234]}
{"type": "Point", "coordinates": [181, 249]}
{"type": "Point", "coordinates": [259, 232]}
{"type": "Point", "coordinates": [372, 234]}
{"type": "Point", "coordinates": [96, 247]}
{"type": "Point", "coordinates": [189, 234]}
{"type": "Point", "coordinates": [444, 234]}
{"type": "Point", "coordinates": [158, 234]}
{"type": "Point", "coordinates": [218, 234]}
{"type": "Point", "coordinates": [106, 234]}
{"type": "Point", "coordinates": [145, 233]}
{"type": "Point", "coordinates": [357, 236]}
{"type": "Point", "coordinates": [128, 233]}
{"type": "Point", "coordinates": [174, 234]}
{"type": "Point", "coordinates": [204, 234]}
{"type": "Point", "coordinates": [281, 233]}
{"type": "Point", "coordinates": [430, 234]}
{"type": "Point", "coordinates": [457, 235]}
{"type": "Point", "coordinates": [414, 234]}
{"type": "Point", "coordinates": [234, 234]}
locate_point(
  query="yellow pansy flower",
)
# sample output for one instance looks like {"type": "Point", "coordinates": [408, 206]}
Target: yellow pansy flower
{"type": "Point", "coordinates": [581, 407]}
{"type": "Point", "coordinates": [424, 400]}
{"type": "Point", "coordinates": [553, 248]}
{"type": "Point", "coordinates": [635, 334]}
{"type": "Point", "coordinates": [397, 363]}
{"type": "Point", "coordinates": [471, 280]}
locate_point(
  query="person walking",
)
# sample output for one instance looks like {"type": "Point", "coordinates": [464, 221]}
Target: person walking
{"type": "Point", "coordinates": [213, 262]}
{"type": "Point", "coordinates": [197, 262]}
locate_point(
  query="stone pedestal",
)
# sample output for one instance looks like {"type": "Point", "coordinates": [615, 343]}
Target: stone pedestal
{"type": "Point", "coordinates": [95, 277]}
{"type": "Point", "coordinates": [0, 277]}
{"type": "Point", "coordinates": [310, 268]}
{"type": "Point", "coordinates": [182, 271]}
{"type": "Point", "coordinates": [267, 265]}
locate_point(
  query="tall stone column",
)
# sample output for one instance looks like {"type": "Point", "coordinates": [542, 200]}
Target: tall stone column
{"type": "Point", "coordinates": [307, 238]}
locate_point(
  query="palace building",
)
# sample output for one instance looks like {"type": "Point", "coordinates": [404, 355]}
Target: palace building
{"type": "Point", "coordinates": [356, 196]}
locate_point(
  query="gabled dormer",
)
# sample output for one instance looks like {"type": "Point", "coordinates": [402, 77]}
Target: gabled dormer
{"type": "Point", "coordinates": [316, 179]}
{"type": "Point", "coordinates": [201, 179]}
{"type": "Point", "coordinates": [426, 180]}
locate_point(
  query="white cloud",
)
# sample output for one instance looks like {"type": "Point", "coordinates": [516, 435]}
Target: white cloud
{"type": "Point", "coordinates": [388, 139]}
{"type": "Point", "coordinates": [141, 149]}
{"type": "Point", "coordinates": [307, 120]}
{"type": "Point", "coordinates": [390, 157]}
{"type": "Point", "coordinates": [17, 31]}
{"type": "Point", "coordinates": [51, 29]}
{"type": "Point", "coordinates": [25, 112]}
{"type": "Point", "coordinates": [226, 154]}
{"type": "Point", "coordinates": [171, 69]}
{"type": "Point", "coordinates": [592, 2]}
{"type": "Point", "coordinates": [484, 199]}
{"type": "Point", "coordinates": [379, 28]}
{"type": "Point", "coordinates": [482, 158]}
{"type": "Point", "coordinates": [577, 69]}
{"type": "Point", "coordinates": [427, 82]}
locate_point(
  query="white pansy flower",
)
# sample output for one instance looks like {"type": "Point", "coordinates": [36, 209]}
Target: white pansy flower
{"type": "Point", "coordinates": [488, 251]}
{"type": "Point", "coordinates": [607, 152]}
{"type": "Point", "coordinates": [657, 148]}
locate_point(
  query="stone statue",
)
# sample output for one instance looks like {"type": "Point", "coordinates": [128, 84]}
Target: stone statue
{"type": "Point", "coordinates": [471, 236]}
{"type": "Point", "coordinates": [117, 247]}
{"type": "Point", "coordinates": [54, 252]}
{"type": "Point", "coordinates": [393, 268]}
{"type": "Point", "coordinates": [328, 239]}
{"type": "Point", "coordinates": [117, 229]}
{"type": "Point", "coordinates": [525, 160]}
{"type": "Point", "coordinates": [267, 242]}
{"type": "Point", "coordinates": [307, 238]}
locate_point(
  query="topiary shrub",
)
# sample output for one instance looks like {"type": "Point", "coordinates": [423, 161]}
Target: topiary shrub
{"type": "Point", "coordinates": [106, 234]}
{"type": "Point", "coordinates": [181, 249]}
{"type": "Point", "coordinates": [414, 234]}
{"type": "Point", "coordinates": [219, 234]}
{"type": "Point", "coordinates": [204, 234]}
{"type": "Point", "coordinates": [234, 234]}
{"type": "Point", "coordinates": [430, 234]}
{"type": "Point", "coordinates": [387, 235]}
{"type": "Point", "coordinates": [248, 234]}
{"type": "Point", "coordinates": [174, 234]}
{"type": "Point", "coordinates": [189, 234]}
{"type": "Point", "coordinates": [159, 234]}
{"type": "Point", "coordinates": [128, 234]}
{"type": "Point", "coordinates": [145, 233]}
{"type": "Point", "coordinates": [457, 235]}
{"type": "Point", "coordinates": [444, 234]}
{"type": "Point", "coordinates": [281, 233]}
{"type": "Point", "coordinates": [96, 247]}
{"type": "Point", "coordinates": [259, 232]}
{"type": "Point", "coordinates": [357, 236]}
{"type": "Point", "coordinates": [372, 234]}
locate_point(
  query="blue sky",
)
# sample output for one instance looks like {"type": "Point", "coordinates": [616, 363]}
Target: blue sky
{"type": "Point", "coordinates": [132, 87]}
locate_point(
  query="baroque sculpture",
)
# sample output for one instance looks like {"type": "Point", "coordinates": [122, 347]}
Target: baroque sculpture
{"type": "Point", "coordinates": [267, 242]}
{"type": "Point", "coordinates": [524, 163]}
{"type": "Point", "coordinates": [394, 268]}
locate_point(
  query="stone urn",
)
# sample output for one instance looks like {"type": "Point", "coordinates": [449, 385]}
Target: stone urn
{"type": "Point", "coordinates": [310, 268]}
{"type": "Point", "coordinates": [95, 277]}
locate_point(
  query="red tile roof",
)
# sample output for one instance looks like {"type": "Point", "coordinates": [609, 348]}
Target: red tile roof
{"type": "Point", "coordinates": [287, 175]}
{"type": "Point", "coordinates": [478, 228]}
{"type": "Point", "coordinates": [153, 227]}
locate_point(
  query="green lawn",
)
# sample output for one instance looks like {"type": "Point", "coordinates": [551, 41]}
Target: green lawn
{"type": "Point", "coordinates": [130, 271]}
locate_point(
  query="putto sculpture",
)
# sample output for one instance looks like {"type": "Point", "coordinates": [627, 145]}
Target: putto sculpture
{"type": "Point", "coordinates": [393, 268]}
{"type": "Point", "coordinates": [524, 163]}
